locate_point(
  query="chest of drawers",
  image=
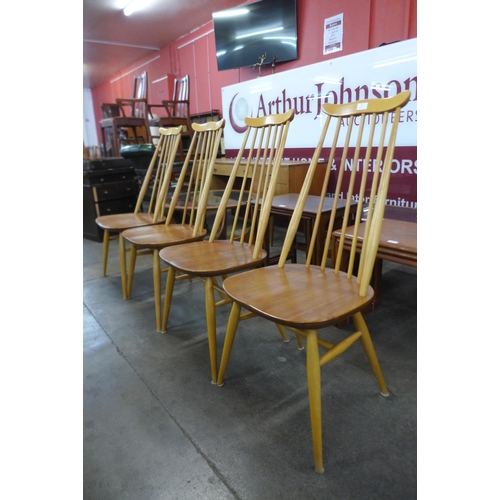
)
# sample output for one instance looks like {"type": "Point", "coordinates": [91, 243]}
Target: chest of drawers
{"type": "Point", "coordinates": [108, 190]}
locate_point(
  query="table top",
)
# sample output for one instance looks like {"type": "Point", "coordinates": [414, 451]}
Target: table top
{"type": "Point", "coordinates": [287, 202]}
{"type": "Point", "coordinates": [397, 237]}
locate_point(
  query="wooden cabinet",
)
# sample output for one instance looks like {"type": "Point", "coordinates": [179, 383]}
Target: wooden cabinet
{"type": "Point", "coordinates": [290, 178]}
{"type": "Point", "coordinates": [109, 187]}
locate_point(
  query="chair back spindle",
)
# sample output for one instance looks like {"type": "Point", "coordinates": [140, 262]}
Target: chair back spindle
{"type": "Point", "coordinates": [159, 173]}
{"type": "Point", "coordinates": [360, 154]}
{"type": "Point", "coordinates": [190, 196]}
{"type": "Point", "coordinates": [256, 168]}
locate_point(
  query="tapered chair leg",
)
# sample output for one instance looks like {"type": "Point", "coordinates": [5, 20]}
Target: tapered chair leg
{"type": "Point", "coordinates": [157, 288]}
{"type": "Point", "coordinates": [232, 326]}
{"type": "Point", "coordinates": [131, 269]}
{"type": "Point", "coordinates": [367, 343]}
{"type": "Point", "coordinates": [169, 292]}
{"type": "Point", "coordinates": [211, 326]}
{"type": "Point", "coordinates": [123, 264]}
{"type": "Point", "coordinates": [314, 385]}
{"type": "Point", "coordinates": [105, 248]}
{"type": "Point", "coordinates": [283, 334]}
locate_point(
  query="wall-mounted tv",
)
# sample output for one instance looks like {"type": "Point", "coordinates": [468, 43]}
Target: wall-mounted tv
{"type": "Point", "coordinates": [244, 34]}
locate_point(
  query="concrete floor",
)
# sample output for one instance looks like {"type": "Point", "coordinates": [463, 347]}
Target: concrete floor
{"type": "Point", "coordinates": [156, 428]}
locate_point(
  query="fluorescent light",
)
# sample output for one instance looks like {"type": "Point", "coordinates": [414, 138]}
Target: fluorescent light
{"type": "Point", "coordinates": [134, 6]}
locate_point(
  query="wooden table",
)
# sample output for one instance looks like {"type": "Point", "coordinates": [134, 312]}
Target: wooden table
{"type": "Point", "coordinates": [398, 243]}
{"type": "Point", "coordinates": [290, 177]}
{"type": "Point", "coordinates": [285, 204]}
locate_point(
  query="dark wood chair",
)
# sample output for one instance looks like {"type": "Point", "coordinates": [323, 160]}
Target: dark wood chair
{"type": "Point", "coordinates": [188, 201]}
{"type": "Point", "coordinates": [157, 176]}
{"type": "Point", "coordinates": [213, 259]}
{"type": "Point", "coordinates": [126, 120]}
{"type": "Point", "coordinates": [303, 297]}
{"type": "Point", "coordinates": [176, 113]}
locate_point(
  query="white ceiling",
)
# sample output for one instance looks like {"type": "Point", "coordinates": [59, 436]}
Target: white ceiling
{"type": "Point", "coordinates": [112, 41]}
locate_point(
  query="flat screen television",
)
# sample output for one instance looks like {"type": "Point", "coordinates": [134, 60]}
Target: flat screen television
{"type": "Point", "coordinates": [244, 34]}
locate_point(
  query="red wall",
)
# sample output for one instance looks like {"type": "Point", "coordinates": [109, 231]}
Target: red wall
{"type": "Point", "coordinates": [367, 24]}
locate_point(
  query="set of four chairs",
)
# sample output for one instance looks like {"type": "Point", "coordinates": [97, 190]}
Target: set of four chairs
{"type": "Point", "coordinates": [230, 258]}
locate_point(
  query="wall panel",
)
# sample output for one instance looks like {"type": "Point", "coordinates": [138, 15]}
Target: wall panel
{"type": "Point", "coordinates": [367, 23]}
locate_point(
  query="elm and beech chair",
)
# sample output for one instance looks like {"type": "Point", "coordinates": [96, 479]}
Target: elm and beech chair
{"type": "Point", "coordinates": [152, 192]}
{"type": "Point", "coordinates": [188, 202]}
{"type": "Point", "coordinates": [213, 259]}
{"type": "Point", "coordinates": [315, 297]}
{"type": "Point", "coordinates": [130, 125]}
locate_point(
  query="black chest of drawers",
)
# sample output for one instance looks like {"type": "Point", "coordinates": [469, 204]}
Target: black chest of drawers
{"type": "Point", "coordinates": [109, 187]}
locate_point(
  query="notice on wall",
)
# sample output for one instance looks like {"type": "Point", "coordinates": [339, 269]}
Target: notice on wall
{"type": "Point", "coordinates": [332, 38]}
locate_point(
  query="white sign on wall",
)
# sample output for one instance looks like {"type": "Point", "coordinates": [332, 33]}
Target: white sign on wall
{"type": "Point", "coordinates": [375, 73]}
{"type": "Point", "coordinates": [333, 36]}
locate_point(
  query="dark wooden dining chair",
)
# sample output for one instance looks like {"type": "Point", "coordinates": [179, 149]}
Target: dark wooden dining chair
{"type": "Point", "coordinates": [213, 259]}
{"type": "Point", "coordinates": [176, 113]}
{"type": "Point", "coordinates": [158, 174]}
{"type": "Point", "coordinates": [188, 202]}
{"type": "Point", "coordinates": [313, 297]}
{"type": "Point", "coordinates": [130, 125]}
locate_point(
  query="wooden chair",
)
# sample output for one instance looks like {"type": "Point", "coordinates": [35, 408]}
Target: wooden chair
{"type": "Point", "coordinates": [189, 200]}
{"type": "Point", "coordinates": [152, 191]}
{"type": "Point", "coordinates": [177, 113]}
{"type": "Point", "coordinates": [131, 126]}
{"type": "Point", "coordinates": [213, 259]}
{"type": "Point", "coordinates": [313, 297]}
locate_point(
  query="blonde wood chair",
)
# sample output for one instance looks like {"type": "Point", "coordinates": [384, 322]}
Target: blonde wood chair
{"type": "Point", "coordinates": [152, 192]}
{"type": "Point", "coordinates": [212, 260]}
{"type": "Point", "coordinates": [313, 297]}
{"type": "Point", "coordinates": [189, 201]}
{"type": "Point", "coordinates": [131, 125]}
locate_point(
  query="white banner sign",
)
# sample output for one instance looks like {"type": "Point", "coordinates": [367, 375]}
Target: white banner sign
{"type": "Point", "coordinates": [376, 73]}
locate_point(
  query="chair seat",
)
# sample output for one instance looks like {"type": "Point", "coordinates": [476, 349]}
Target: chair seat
{"type": "Point", "coordinates": [120, 222]}
{"type": "Point", "coordinates": [305, 298]}
{"type": "Point", "coordinates": [212, 259]}
{"type": "Point", "coordinates": [122, 121]}
{"type": "Point", "coordinates": [162, 235]}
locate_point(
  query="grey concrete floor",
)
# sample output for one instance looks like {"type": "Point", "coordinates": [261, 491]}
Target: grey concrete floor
{"type": "Point", "coordinates": [154, 427]}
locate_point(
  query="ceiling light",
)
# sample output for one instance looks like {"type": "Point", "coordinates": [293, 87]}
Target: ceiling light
{"type": "Point", "coordinates": [134, 6]}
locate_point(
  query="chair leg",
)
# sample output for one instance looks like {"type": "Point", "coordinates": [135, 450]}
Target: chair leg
{"type": "Point", "coordinates": [123, 264]}
{"type": "Point", "coordinates": [157, 288]}
{"type": "Point", "coordinates": [169, 291]}
{"type": "Point", "coordinates": [232, 326]}
{"type": "Point", "coordinates": [211, 326]}
{"type": "Point", "coordinates": [131, 269]}
{"type": "Point", "coordinates": [115, 148]}
{"type": "Point", "coordinates": [367, 343]}
{"type": "Point", "coordinates": [105, 248]}
{"type": "Point", "coordinates": [283, 334]}
{"type": "Point", "coordinates": [314, 385]}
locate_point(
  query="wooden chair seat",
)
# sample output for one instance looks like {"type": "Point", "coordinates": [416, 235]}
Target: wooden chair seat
{"type": "Point", "coordinates": [309, 297]}
{"type": "Point", "coordinates": [159, 236]}
{"type": "Point", "coordinates": [122, 121]}
{"type": "Point", "coordinates": [120, 222]}
{"type": "Point", "coordinates": [212, 259]}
